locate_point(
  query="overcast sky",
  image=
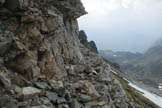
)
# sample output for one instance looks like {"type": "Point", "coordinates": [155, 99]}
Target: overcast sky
{"type": "Point", "coordinates": [131, 25]}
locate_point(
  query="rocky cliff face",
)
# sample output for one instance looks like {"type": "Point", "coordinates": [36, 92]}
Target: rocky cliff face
{"type": "Point", "coordinates": [90, 45]}
{"type": "Point", "coordinates": [44, 65]}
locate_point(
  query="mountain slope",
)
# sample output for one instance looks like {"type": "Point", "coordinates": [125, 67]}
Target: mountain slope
{"type": "Point", "coordinates": [153, 63]}
{"type": "Point", "coordinates": [146, 68]}
{"type": "Point", "coordinates": [43, 64]}
{"type": "Point", "coordinates": [121, 57]}
{"type": "Point", "coordinates": [158, 42]}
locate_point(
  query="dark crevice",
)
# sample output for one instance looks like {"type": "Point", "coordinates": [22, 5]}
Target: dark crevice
{"type": "Point", "coordinates": [12, 5]}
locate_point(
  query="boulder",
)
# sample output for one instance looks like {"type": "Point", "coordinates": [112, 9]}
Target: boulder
{"type": "Point", "coordinates": [86, 87]}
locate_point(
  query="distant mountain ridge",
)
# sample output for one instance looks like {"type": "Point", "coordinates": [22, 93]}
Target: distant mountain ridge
{"type": "Point", "coordinates": [158, 42]}
{"type": "Point", "coordinates": [120, 57]}
{"type": "Point", "coordinates": [145, 67]}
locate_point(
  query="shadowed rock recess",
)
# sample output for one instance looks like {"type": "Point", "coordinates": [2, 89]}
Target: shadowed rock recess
{"type": "Point", "coordinates": [44, 65]}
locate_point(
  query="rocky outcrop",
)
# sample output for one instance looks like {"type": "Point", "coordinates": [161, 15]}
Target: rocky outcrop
{"type": "Point", "coordinates": [90, 45]}
{"type": "Point", "coordinates": [44, 65]}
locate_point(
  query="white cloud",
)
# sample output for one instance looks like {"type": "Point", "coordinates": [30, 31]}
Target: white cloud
{"type": "Point", "coordinates": [121, 20]}
{"type": "Point", "coordinates": [111, 5]}
{"type": "Point", "coordinates": [101, 6]}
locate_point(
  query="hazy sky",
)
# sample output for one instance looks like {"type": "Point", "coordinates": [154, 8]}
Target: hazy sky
{"type": "Point", "coordinates": [131, 25]}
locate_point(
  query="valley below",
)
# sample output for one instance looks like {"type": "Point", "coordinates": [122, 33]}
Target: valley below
{"type": "Point", "coordinates": [149, 88]}
{"type": "Point", "coordinates": [144, 69]}
{"type": "Point", "coordinates": [151, 96]}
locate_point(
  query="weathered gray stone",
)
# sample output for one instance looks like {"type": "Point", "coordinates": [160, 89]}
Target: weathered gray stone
{"type": "Point", "coordinates": [84, 98]}
{"type": "Point", "coordinates": [56, 84]}
{"type": "Point", "coordinates": [72, 9]}
{"type": "Point", "coordinates": [30, 91]}
{"type": "Point", "coordinates": [8, 102]}
{"type": "Point", "coordinates": [5, 40]}
{"type": "Point", "coordinates": [42, 85]}
{"type": "Point", "coordinates": [41, 106]}
{"type": "Point", "coordinates": [75, 104]}
{"type": "Point", "coordinates": [55, 98]}
{"type": "Point", "coordinates": [90, 45]}
{"type": "Point", "coordinates": [18, 89]}
{"type": "Point", "coordinates": [2, 1]}
{"type": "Point", "coordinates": [4, 78]}
{"type": "Point", "coordinates": [86, 87]}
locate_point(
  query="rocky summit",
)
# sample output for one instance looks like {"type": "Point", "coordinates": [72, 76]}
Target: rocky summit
{"type": "Point", "coordinates": [43, 64]}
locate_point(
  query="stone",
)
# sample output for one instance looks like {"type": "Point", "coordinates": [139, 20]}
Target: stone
{"type": "Point", "coordinates": [41, 106]}
{"type": "Point", "coordinates": [44, 100]}
{"type": "Point", "coordinates": [72, 9]}
{"type": "Point", "coordinates": [83, 37]}
{"type": "Point", "coordinates": [42, 85]}
{"type": "Point", "coordinates": [5, 40]}
{"type": "Point", "coordinates": [84, 98]}
{"type": "Point", "coordinates": [86, 87]}
{"type": "Point", "coordinates": [55, 98]}
{"type": "Point", "coordinates": [56, 84]}
{"type": "Point", "coordinates": [75, 104]}
{"type": "Point", "coordinates": [90, 45]}
{"type": "Point", "coordinates": [105, 75]}
{"type": "Point", "coordinates": [93, 46]}
{"type": "Point", "coordinates": [2, 2]}
{"type": "Point", "coordinates": [61, 100]}
{"type": "Point", "coordinates": [30, 91]}
{"type": "Point", "coordinates": [63, 106]}
{"type": "Point", "coordinates": [4, 79]}
{"type": "Point", "coordinates": [24, 3]}
{"type": "Point", "coordinates": [25, 64]}
{"type": "Point", "coordinates": [53, 23]}
{"type": "Point", "coordinates": [100, 104]}
{"type": "Point", "coordinates": [7, 102]}
{"type": "Point", "coordinates": [17, 89]}
{"type": "Point", "coordinates": [1, 62]}
{"type": "Point", "coordinates": [52, 96]}
{"type": "Point", "coordinates": [52, 12]}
